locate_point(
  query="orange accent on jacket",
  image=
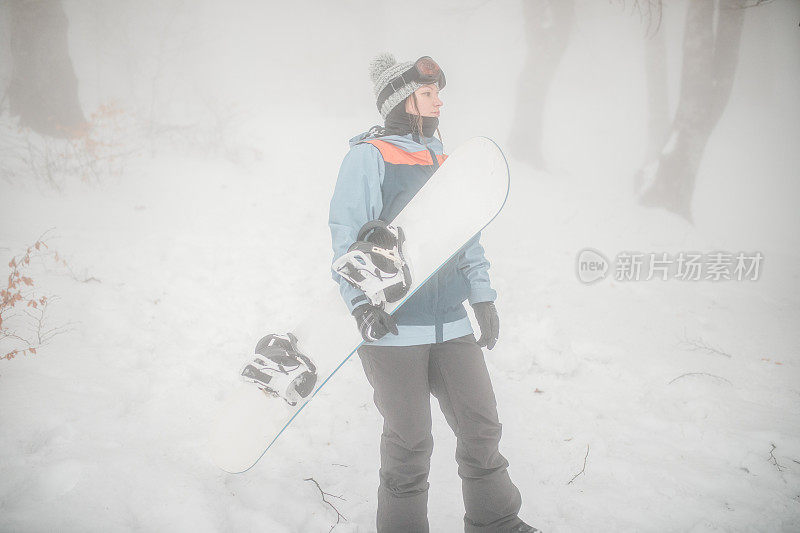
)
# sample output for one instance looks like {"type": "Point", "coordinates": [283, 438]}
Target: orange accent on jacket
{"type": "Point", "coordinates": [398, 156]}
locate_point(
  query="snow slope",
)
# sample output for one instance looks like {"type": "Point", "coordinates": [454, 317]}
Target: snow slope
{"type": "Point", "coordinates": [105, 427]}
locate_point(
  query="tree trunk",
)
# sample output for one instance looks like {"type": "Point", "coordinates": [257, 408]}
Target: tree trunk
{"type": "Point", "coordinates": [547, 28]}
{"type": "Point", "coordinates": [43, 90]}
{"type": "Point", "coordinates": [709, 65]}
{"type": "Point", "coordinates": [658, 120]}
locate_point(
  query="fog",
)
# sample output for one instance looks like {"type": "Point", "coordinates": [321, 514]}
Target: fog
{"type": "Point", "coordinates": [289, 76]}
{"type": "Point", "coordinates": [192, 220]}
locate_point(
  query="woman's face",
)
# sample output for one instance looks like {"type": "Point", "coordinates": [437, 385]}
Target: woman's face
{"type": "Point", "coordinates": [427, 100]}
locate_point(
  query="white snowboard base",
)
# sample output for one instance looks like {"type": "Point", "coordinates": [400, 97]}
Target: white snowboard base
{"type": "Point", "coordinates": [459, 200]}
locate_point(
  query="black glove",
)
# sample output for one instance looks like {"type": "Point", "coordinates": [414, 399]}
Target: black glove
{"type": "Point", "coordinates": [373, 322]}
{"type": "Point", "coordinates": [489, 322]}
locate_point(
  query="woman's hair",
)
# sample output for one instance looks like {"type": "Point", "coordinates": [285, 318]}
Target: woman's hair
{"type": "Point", "coordinates": [415, 120]}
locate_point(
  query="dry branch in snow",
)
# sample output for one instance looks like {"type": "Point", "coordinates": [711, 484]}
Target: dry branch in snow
{"type": "Point", "coordinates": [582, 469]}
{"type": "Point", "coordinates": [699, 344]}
{"type": "Point", "coordinates": [339, 516]}
{"type": "Point", "coordinates": [773, 460]}
{"type": "Point", "coordinates": [699, 374]}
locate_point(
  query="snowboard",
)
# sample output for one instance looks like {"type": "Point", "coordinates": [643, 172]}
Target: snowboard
{"type": "Point", "coordinates": [458, 201]}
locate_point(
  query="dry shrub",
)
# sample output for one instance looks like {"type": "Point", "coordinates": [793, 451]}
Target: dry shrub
{"type": "Point", "coordinates": [23, 307]}
{"type": "Point", "coordinates": [96, 150]}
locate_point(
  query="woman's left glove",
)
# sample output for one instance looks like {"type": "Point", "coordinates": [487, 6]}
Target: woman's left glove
{"type": "Point", "coordinates": [489, 322]}
{"type": "Point", "coordinates": [373, 322]}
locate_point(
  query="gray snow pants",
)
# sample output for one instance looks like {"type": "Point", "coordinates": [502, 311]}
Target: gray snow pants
{"type": "Point", "coordinates": [403, 378]}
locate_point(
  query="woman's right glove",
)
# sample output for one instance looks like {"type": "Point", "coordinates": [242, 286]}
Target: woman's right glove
{"type": "Point", "coordinates": [373, 322]}
{"type": "Point", "coordinates": [486, 315]}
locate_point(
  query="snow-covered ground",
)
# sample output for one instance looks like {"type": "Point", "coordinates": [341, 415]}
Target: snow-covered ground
{"type": "Point", "coordinates": [105, 427]}
{"type": "Point", "coordinates": [613, 417]}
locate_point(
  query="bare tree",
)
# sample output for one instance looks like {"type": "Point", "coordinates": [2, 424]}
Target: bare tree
{"type": "Point", "coordinates": [650, 12]}
{"type": "Point", "coordinates": [43, 90]}
{"type": "Point", "coordinates": [658, 118]}
{"type": "Point", "coordinates": [547, 27]}
{"type": "Point", "coordinates": [710, 55]}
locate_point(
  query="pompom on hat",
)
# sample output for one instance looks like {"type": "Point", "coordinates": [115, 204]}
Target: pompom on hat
{"type": "Point", "coordinates": [383, 69]}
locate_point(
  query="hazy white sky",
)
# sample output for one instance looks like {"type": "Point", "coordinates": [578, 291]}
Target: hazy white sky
{"type": "Point", "coordinates": [280, 72]}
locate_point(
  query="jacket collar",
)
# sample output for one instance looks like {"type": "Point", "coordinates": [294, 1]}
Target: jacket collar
{"type": "Point", "coordinates": [406, 142]}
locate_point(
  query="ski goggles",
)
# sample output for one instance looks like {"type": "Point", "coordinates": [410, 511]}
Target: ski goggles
{"type": "Point", "coordinates": [425, 70]}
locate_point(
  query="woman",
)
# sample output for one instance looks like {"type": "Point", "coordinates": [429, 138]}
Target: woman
{"type": "Point", "coordinates": [428, 346]}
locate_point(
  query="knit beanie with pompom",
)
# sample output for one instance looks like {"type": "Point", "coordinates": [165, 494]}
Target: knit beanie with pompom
{"type": "Point", "coordinates": [383, 69]}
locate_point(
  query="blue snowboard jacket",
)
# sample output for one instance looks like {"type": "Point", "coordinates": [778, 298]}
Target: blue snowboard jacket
{"type": "Point", "coordinates": [378, 177]}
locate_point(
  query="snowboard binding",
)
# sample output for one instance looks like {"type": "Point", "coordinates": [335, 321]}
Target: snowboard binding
{"type": "Point", "coordinates": [375, 263]}
{"type": "Point", "coordinates": [280, 369]}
